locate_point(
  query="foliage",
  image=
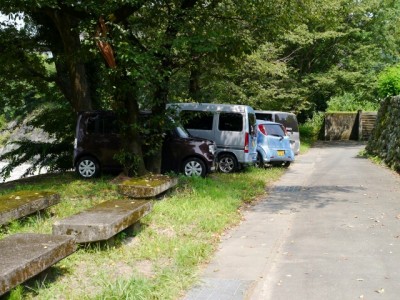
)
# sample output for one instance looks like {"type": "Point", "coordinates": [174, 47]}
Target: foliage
{"type": "Point", "coordinates": [311, 130]}
{"type": "Point", "coordinates": [349, 102]}
{"type": "Point", "coordinates": [389, 82]}
{"type": "Point", "coordinates": [176, 238]}
{"type": "Point", "coordinates": [384, 141]}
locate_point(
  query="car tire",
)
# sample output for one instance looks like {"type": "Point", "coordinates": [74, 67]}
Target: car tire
{"type": "Point", "coordinates": [87, 167]}
{"type": "Point", "coordinates": [259, 161]}
{"type": "Point", "coordinates": [194, 167]}
{"type": "Point", "coordinates": [286, 164]}
{"type": "Point", "coordinates": [227, 163]}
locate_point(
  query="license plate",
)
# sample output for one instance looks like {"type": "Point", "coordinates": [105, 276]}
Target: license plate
{"type": "Point", "coordinates": [281, 152]}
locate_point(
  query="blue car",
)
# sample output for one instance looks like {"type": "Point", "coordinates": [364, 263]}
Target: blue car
{"type": "Point", "coordinates": [273, 145]}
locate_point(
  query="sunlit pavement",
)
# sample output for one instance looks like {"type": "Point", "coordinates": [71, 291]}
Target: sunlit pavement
{"type": "Point", "coordinates": [328, 229]}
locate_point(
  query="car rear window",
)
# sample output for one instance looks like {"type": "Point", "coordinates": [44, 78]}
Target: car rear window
{"type": "Point", "coordinates": [274, 129]}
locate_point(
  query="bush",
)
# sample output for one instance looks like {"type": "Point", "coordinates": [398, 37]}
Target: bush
{"type": "Point", "coordinates": [389, 82]}
{"type": "Point", "coordinates": [311, 129]}
{"type": "Point", "coordinates": [349, 102]}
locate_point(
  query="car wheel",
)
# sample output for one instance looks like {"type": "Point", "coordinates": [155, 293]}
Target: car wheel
{"type": "Point", "coordinates": [286, 164]}
{"type": "Point", "coordinates": [88, 167]}
{"type": "Point", "coordinates": [227, 163]}
{"type": "Point", "coordinates": [194, 167]}
{"type": "Point", "coordinates": [259, 161]}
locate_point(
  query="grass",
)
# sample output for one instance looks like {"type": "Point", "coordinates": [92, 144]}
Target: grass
{"type": "Point", "coordinates": [163, 259]}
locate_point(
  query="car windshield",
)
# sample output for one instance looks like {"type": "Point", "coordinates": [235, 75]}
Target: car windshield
{"type": "Point", "coordinates": [182, 132]}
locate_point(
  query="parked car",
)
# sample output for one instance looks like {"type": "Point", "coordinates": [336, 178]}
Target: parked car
{"type": "Point", "coordinates": [98, 140]}
{"type": "Point", "coordinates": [232, 127]}
{"type": "Point", "coordinates": [289, 120]}
{"type": "Point", "coordinates": [273, 145]}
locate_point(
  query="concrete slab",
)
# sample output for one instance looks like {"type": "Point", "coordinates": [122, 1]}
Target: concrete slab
{"type": "Point", "coordinates": [103, 221]}
{"type": "Point", "coordinates": [19, 204]}
{"type": "Point", "coordinates": [23, 256]}
{"type": "Point", "coordinates": [146, 187]}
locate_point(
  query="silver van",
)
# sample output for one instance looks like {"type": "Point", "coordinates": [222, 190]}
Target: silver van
{"type": "Point", "coordinates": [289, 120]}
{"type": "Point", "coordinates": [232, 127]}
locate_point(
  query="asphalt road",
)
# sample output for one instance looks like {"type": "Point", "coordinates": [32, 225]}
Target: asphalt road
{"type": "Point", "coordinates": [328, 229]}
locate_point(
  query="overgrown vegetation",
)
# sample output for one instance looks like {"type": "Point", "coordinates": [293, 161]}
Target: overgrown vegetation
{"type": "Point", "coordinates": [311, 130]}
{"type": "Point", "coordinates": [349, 102]}
{"type": "Point", "coordinates": [162, 260]}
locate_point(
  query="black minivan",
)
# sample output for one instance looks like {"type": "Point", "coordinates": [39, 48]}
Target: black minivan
{"type": "Point", "coordinates": [98, 140]}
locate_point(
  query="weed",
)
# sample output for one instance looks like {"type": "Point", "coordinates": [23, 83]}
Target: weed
{"type": "Point", "coordinates": [179, 235]}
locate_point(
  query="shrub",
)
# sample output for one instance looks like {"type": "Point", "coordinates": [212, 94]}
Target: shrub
{"type": "Point", "coordinates": [350, 102]}
{"type": "Point", "coordinates": [389, 82]}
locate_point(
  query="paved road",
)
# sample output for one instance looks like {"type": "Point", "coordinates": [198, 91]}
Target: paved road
{"type": "Point", "coordinates": [329, 229]}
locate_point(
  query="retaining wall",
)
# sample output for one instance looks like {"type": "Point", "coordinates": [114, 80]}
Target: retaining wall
{"type": "Point", "coordinates": [385, 138]}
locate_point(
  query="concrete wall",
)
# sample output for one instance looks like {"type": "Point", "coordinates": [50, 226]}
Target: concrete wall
{"type": "Point", "coordinates": [341, 126]}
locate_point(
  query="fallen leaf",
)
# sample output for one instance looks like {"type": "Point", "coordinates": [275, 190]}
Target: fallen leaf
{"type": "Point", "coordinates": [380, 291]}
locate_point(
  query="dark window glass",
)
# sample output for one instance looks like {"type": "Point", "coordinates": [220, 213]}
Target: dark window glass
{"type": "Point", "coordinates": [288, 120]}
{"type": "Point", "coordinates": [92, 124]}
{"type": "Point", "coordinates": [264, 116]}
{"type": "Point", "coordinates": [252, 124]}
{"type": "Point", "coordinates": [109, 125]}
{"type": "Point", "coordinates": [230, 122]}
{"type": "Point", "coordinates": [274, 129]}
{"type": "Point", "coordinates": [102, 125]}
{"type": "Point", "coordinates": [197, 120]}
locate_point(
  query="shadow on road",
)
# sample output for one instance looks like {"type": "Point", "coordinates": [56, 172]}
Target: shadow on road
{"type": "Point", "coordinates": [296, 198]}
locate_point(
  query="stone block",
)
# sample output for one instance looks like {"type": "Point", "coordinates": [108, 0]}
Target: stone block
{"type": "Point", "coordinates": [23, 256]}
{"type": "Point", "coordinates": [103, 221]}
{"type": "Point", "coordinates": [147, 186]}
{"type": "Point", "coordinates": [19, 204]}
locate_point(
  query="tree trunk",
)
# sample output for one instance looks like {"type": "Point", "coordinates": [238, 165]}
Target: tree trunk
{"type": "Point", "coordinates": [76, 88]}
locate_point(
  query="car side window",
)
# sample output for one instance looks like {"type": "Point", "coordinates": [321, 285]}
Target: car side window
{"type": "Point", "coordinates": [264, 116]}
{"type": "Point", "coordinates": [289, 120]}
{"type": "Point", "coordinates": [92, 124]}
{"type": "Point", "coordinates": [197, 120]}
{"type": "Point", "coordinates": [102, 125]}
{"type": "Point", "coordinates": [110, 125]}
{"type": "Point", "coordinates": [230, 122]}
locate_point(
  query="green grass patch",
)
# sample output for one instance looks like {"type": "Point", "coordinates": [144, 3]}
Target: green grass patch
{"type": "Point", "coordinates": [162, 260]}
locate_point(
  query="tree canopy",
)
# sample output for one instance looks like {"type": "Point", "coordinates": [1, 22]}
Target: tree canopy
{"type": "Point", "coordinates": [130, 55]}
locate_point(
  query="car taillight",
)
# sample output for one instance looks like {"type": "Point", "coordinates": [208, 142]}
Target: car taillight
{"type": "Point", "coordinates": [246, 143]}
{"type": "Point", "coordinates": [262, 129]}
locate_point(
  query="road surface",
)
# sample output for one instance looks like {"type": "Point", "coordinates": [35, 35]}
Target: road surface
{"type": "Point", "coordinates": [328, 229]}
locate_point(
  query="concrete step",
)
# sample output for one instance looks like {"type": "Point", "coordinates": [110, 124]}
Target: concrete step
{"type": "Point", "coordinates": [19, 204]}
{"type": "Point", "coordinates": [147, 186]}
{"type": "Point", "coordinates": [103, 221]}
{"type": "Point", "coordinates": [23, 256]}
